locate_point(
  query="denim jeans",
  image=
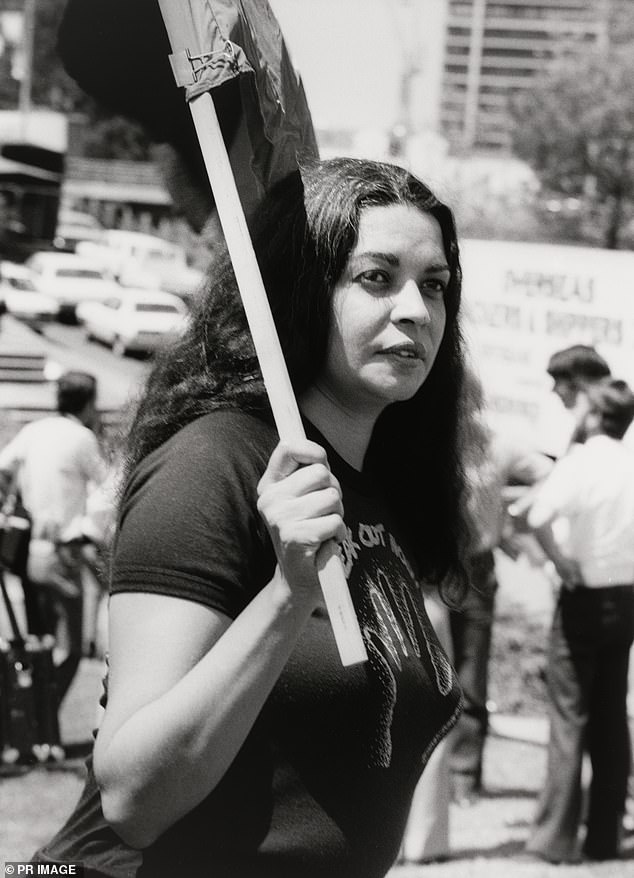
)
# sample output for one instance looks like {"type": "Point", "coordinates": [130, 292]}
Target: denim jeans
{"type": "Point", "coordinates": [592, 632]}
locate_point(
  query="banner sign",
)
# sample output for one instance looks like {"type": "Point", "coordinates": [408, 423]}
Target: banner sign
{"type": "Point", "coordinates": [523, 302]}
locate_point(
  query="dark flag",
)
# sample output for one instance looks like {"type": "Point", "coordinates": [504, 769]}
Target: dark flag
{"type": "Point", "coordinates": [118, 52]}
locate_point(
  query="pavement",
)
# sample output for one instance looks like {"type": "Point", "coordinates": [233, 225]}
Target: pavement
{"type": "Point", "coordinates": [17, 339]}
{"type": "Point", "coordinates": [114, 386]}
{"type": "Point", "coordinates": [527, 729]}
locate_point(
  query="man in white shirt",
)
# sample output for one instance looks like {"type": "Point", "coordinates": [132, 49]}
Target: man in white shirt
{"type": "Point", "coordinates": [56, 459]}
{"type": "Point", "coordinates": [592, 489]}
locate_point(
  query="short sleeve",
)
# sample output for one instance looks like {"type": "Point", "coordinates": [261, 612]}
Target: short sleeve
{"type": "Point", "coordinates": [557, 494]}
{"type": "Point", "coordinates": [189, 525]}
{"type": "Point", "coordinates": [92, 463]}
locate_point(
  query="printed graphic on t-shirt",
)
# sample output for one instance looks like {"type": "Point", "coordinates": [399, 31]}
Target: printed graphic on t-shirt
{"type": "Point", "coordinates": [394, 626]}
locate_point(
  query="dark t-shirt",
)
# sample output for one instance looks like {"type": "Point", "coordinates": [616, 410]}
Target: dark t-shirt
{"type": "Point", "coordinates": [321, 787]}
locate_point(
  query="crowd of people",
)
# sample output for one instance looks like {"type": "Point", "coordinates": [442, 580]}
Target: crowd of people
{"type": "Point", "coordinates": [233, 742]}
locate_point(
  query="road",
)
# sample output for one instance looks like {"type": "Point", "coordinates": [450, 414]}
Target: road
{"type": "Point", "coordinates": [119, 379]}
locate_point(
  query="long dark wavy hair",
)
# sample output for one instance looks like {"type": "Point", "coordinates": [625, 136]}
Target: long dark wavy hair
{"type": "Point", "coordinates": [303, 234]}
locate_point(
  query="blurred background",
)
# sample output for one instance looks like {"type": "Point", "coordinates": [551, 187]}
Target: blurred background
{"type": "Point", "coordinates": [520, 114]}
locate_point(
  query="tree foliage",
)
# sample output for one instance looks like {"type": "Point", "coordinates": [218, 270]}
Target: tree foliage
{"type": "Point", "coordinates": [576, 129]}
{"type": "Point", "coordinates": [106, 136]}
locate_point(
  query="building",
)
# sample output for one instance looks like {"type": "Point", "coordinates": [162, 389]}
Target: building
{"type": "Point", "coordinates": [441, 66]}
{"type": "Point", "coordinates": [32, 152]}
{"type": "Point", "coordinates": [494, 48]}
{"type": "Point", "coordinates": [121, 194]}
{"type": "Point", "coordinates": [367, 65]}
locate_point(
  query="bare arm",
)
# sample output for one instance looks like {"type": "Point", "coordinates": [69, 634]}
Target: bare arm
{"type": "Point", "coordinates": [547, 505]}
{"type": "Point", "coordinates": [180, 707]}
{"type": "Point", "coordinates": [568, 569]}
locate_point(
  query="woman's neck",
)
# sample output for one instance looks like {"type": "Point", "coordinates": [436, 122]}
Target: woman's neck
{"type": "Point", "coordinates": [348, 432]}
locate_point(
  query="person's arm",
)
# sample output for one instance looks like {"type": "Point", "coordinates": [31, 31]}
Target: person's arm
{"type": "Point", "coordinates": [567, 569]}
{"type": "Point", "coordinates": [93, 464]}
{"type": "Point", "coordinates": [551, 500]}
{"type": "Point", "coordinates": [529, 468]}
{"type": "Point", "coordinates": [523, 469]}
{"type": "Point", "coordinates": [186, 683]}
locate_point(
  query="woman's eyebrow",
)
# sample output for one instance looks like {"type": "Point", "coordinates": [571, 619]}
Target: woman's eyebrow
{"type": "Point", "coordinates": [393, 260]}
{"type": "Point", "coordinates": [437, 268]}
{"type": "Point", "coordinates": [389, 258]}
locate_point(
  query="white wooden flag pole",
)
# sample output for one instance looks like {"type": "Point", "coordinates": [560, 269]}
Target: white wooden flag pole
{"type": "Point", "coordinates": [185, 41]}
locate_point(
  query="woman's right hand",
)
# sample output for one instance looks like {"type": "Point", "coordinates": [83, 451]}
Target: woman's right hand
{"type": "Point", "coordinates": [300, 502]}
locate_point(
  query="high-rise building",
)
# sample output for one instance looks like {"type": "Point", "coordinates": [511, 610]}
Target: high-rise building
{"type": "Point", "coordinates": [494, 48]}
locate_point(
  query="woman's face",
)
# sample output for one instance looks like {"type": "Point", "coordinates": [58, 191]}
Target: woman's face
{"type": "Point", "coordinates": [388, 310]}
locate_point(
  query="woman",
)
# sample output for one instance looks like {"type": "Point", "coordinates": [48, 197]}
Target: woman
{"type": "Point", "coordinates": [234, 743]}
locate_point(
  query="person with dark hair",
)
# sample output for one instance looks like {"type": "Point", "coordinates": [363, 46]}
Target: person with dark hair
{"type": "Point", "coordinates": [573, 370]}
{"type": "Point", "coordinates": [233, 742]}
{"type": "Point", "coordinates": [56, 460]}
{"type": "Point", "coordinates": [592, 489]}
{"type": "Point", "coordinates": [77, 395]}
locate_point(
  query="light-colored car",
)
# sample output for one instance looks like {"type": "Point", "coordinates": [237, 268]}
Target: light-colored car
{"type": "Point", "coordinates": [20, 297]}
{"type": "Point", "coordinates": [135, 320]}
{"type": "Point", "coordinates": [74, 226]}
{"type": "Point", "coordinates": [140, 260]}
{"type": "Point", "coordinates": [121, 251]}
{"type": "Point", "coordinates": [69, 280]}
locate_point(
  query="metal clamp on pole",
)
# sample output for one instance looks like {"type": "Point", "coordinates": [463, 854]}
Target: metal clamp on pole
{"type": "Point", "coordinates": [188, 68]}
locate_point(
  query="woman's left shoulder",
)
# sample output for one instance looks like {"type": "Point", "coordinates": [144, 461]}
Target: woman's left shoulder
{"type": "Point", "coordinates": [230, 432]}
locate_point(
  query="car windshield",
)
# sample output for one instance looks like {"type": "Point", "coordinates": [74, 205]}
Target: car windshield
{"type": "Point", "coordinates": [85, 273]}
{"type": "Point", "coordinates": [156, 308]}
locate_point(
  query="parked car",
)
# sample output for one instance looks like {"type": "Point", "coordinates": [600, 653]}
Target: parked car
{"type": "Point", "coordinates": [20, 297]}
{"type": "Point", "coordinates": [74, 226]}
{"type": "Point", "coordinates": [69, 280]}
{"type": "Point", "coordinates": [119, 251]}
{"type": "Point", "coordinates": [137, 259]}
{"type": "Point", "coordinates": [134, 320]}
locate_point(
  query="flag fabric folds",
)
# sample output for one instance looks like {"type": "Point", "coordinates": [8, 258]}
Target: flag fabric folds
{"type": "Point", "coordinates": [118, 52]}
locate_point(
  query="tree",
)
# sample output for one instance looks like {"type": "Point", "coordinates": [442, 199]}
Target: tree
{"type": "Point", "coordinates": [112, 137]}
{"type": "Point", "coordinates": [576, 129]}
{"type": "Point", "coordinates": [106, 135]}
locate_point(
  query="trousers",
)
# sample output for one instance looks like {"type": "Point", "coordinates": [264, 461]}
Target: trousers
{"type": "Point", "coordinates": [59, 592]}
{"type": "Point", "coordinates": [591, 636]}
{"type": "Point", "coordinates": [471, 629]}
